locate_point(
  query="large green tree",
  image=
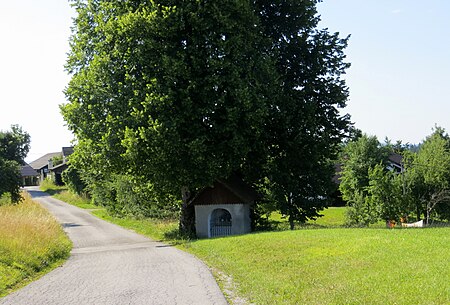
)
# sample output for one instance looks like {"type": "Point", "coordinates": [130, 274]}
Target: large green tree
{"type": "Point", "coordinates": [427, 176]}
{"type": "Point", "coordinates": [14, 147]}
{"type": "Point", "coordinates": [181, 93]}
{"type": "Point", "coordinates": [177, 89]}
{"type": "Point", "coordinates": [304, 126]}
{"type": "Point", "coordinates": [386, 195]}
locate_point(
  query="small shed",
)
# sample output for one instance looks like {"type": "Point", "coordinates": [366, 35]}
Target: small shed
{"type": "Point", "coordinates": [224, 208]}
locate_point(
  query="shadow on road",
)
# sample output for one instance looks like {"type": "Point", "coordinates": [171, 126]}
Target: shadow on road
{"type": "Point", "coordinates": [37, 194]}
{"type": "Point", "coordinates": [70, 225]}
{"type": "Point", "coordinates": [164, 246]}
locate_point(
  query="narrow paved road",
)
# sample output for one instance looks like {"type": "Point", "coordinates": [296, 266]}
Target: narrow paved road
{"type": "Point", "coordinates": [110, 265]}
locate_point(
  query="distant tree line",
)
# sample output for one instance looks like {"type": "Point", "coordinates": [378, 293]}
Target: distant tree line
{"type": "Point", "coordinates": [374, 192]}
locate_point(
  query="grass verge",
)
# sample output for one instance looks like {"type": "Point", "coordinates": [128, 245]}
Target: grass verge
{"type": "Point", "coordinates": [81, 202]}
{"type": "Point", "coordinates": [31, 244]}
{"type": "Point", "coordinates": [156, 229]}
{"type": "Point", "coordinates": [49, 187]}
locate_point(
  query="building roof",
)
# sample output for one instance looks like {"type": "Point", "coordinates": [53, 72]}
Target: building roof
{"type": "Point", "coordinates": [226, 191]}
{"type": "Point", "coordinates": [237, 186]}
{"type": "Point", "coordinates": [396, 158]}
{"type": "Point", "coordinates": [67, 151]}
{"type": "Point", "coordinates": [59, 167]}
{"type": "Point", "coordinates": [28, 171]}
{"type": "Point", "coordinates": [43, 161]}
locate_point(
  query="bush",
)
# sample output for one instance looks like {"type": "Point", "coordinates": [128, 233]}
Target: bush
{"type": "Point", "coordinates": [5, 199]}
{"type": "Point", "coordinates": [10, 179]}
{"type": "Point", "coordinates": [124, 195]}
{"type": "Point", "coordinates": [57, 160]}
{"type": "Point", "coordinates": [72, 180]}
{"type": "Point", "coordinates": [360, 213]}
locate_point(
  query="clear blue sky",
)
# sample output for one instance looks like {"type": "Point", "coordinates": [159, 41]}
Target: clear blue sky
{"type": "Point", "coordinates": [399, 79]}
{"type": "Point", "coordinates": [400, 54]}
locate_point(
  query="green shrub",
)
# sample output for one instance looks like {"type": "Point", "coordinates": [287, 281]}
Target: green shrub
{"type": "Point", "coordinates": [57, 160]}
{"type": "Point", "coordinates": [124, 195]}
{"type": "Point", "coordinates": [73, 181]}
{"type": "Point", "coordinates": [5, 199]}
{"type": "Point", "coordinates": [10, 179]}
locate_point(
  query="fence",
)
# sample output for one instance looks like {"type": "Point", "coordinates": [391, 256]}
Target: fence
{"type": "Point", "coordinates": [221, 228]}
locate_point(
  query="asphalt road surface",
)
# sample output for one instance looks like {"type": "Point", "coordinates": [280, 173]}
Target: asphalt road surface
{"type": "Point", "coordinates": [110, 265]}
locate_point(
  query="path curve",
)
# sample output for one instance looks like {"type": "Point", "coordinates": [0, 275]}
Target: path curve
{"type": "Point", "coordinates": [111, 265]}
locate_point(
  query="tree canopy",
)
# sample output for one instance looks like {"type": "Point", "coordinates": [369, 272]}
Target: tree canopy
{"type": "Point", "coordinates": [428, 177]}
{"type": "Point", "coordinates": [304, 127]}
{"type": "Point", "coordinates": [374, 191]}
{"type": "Point", "coordinates": [358, 157]}
{"type": "Point", "coordinates": [180, 93]}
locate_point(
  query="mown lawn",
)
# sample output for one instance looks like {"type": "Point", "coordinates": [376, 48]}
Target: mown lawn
{"type": "Point", "coordinates": [322, 263]}
{"type": "Point", "coordinates": [31, 243]}
{"type": "Point", "coordinates": [335, 266]}
{"type": "Point", "coordinates": [332, 217]}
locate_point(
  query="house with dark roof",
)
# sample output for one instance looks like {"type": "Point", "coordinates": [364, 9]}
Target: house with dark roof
{"type": "Point", "coordinates": [66, 152]}
{"type": "Point", "coordinates": [224, 208]}
{"type": "Point", "coordinates": [56, 168]}
{"type": "Point", "coordinates": [52, 164]}
{"type": "Point", "coordinates": [395, 162]}
{"type": "Point", "coordinates": [41, 165]}
{"type": "Point", "coordinates": [29, 175]}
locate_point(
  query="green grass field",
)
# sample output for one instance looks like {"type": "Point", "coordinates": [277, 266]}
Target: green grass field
{"type": "Point", "coordinates": [322, 262]}
{"type": "Point", "coordinates": [31, 243]}
{"type": "Point", "coordinates": [335, 266]}
{"type": "Point", "coordinates": [333, 217]}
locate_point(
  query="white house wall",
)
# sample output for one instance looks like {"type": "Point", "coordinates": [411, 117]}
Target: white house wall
{"type": "Point", "coordinates": [240, 217]}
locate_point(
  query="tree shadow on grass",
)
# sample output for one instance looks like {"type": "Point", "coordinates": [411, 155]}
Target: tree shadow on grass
{"type": "Point", "coordinates": [269, 225]}
{"type": "Point", "coordinates": [54, 192]}
{"type": "Point", "coordinates": [175, 237]}
{"type": "Point", "coordinates": [438, 224]}
{"type": "Point", "coordinates": [173, 234]}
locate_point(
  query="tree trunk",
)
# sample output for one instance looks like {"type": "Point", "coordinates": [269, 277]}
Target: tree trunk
{"type": "Point", "coordinates": [291, 223]}
{"type": "Point", "coordinates": [187, 215]}
{"type": "Point", "coordinates": [418, 213]}
{"type": "Point", "coordinates": [291, 218]}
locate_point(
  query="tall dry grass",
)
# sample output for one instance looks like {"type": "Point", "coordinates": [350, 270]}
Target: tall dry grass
{"type": "Point", "coordinates": [31, 241]}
